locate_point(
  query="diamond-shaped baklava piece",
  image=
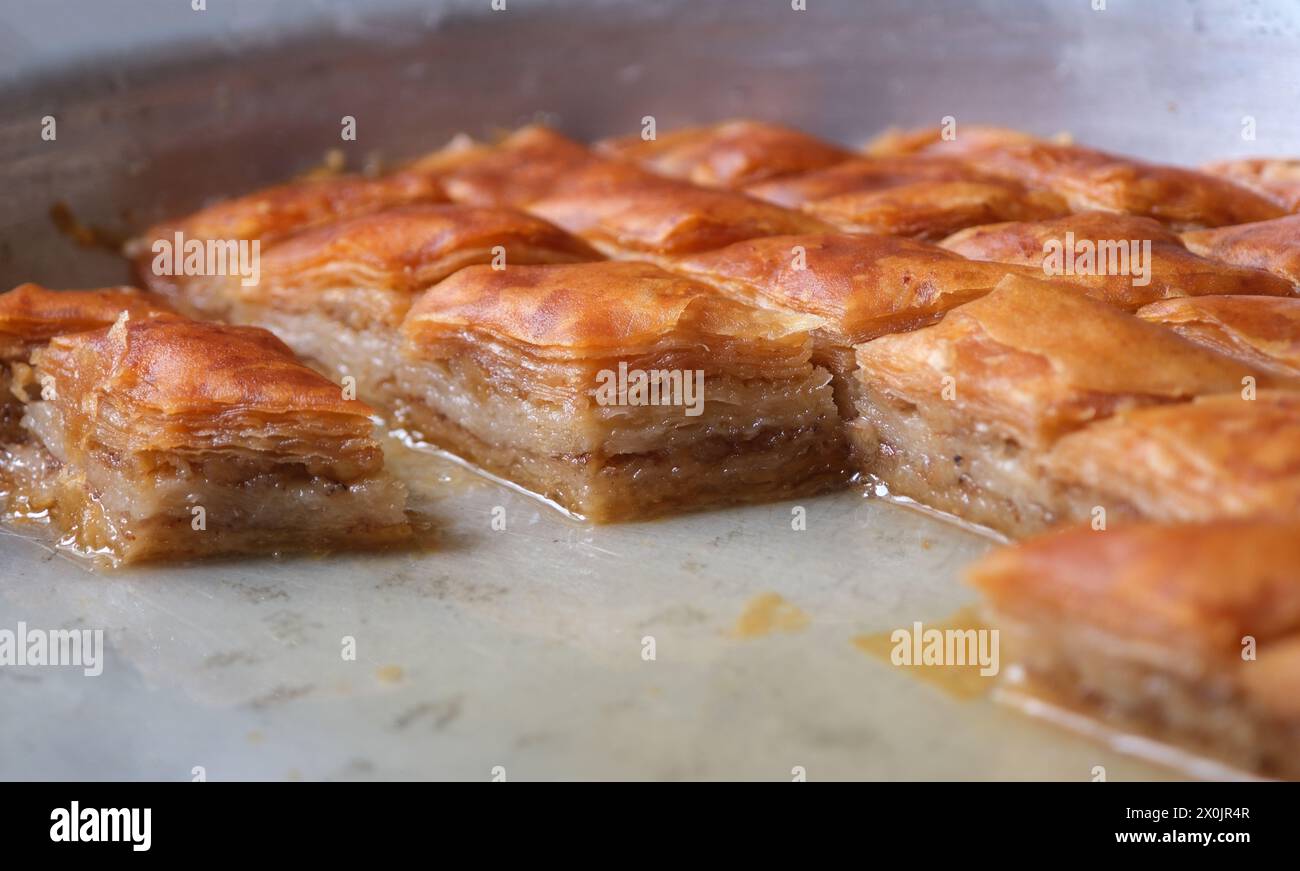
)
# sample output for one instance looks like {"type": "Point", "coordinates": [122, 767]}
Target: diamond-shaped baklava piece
{"type": "Point", "coordinates": [1260, 331]}
{"type": "Point", "coordinates": [1274, 177]}
{"type": "Point", "coordinates": [172, 439]}
{"type": "Point", "coordinates": [959, 415]}
{"type": "Point", "coordinates": [862, 286]}
{"type": "Point", "coordinates": [337, 294]}
{"type": "Point", "coordinates": [1272, 245]}
{"type": "Point", "coordinates": [1185, 634]}
{"type": "Point", "coordinates": [730, 154]}
{"type": "Point", "coordinates": [1125, 260]}
{"type": "Point", "coordinates": [618, 390]}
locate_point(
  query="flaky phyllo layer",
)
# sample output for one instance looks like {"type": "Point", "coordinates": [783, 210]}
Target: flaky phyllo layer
{"type": "Point", "coordinates": [168, 438]}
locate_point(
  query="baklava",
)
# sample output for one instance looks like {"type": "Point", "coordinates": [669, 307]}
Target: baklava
{"type": "Point", "coordinates": [1125, 260]}
{"type": "Point", "coordinates": [1187, 634]}
{"type": "Point", "coordinates": [1218, 456]}
{"type": "Point", "coordinates": [31, 315]}
{"type": "Point", "coordinates": [1272, 245]}
{"type": "Point", "coordinates": [730, 154]}
{"type": "Point", "coordinates": [1093, 180]}
{"type": "Point", "coordinates": [1276, 178]}
{"type": "Point", "coordinates": [269, 215]}
{"type": "Point", "coordinates": [862, 286]}
{"type": "Point", "coordinates": [1260, 331]}
{"type": "Point", "coordinates": [164, 438]}
{"type": "Point", "coordinates": [337, 294]}
{"type": "Point", "coordinates": [618, 390]}
{"type": "Point", "coordinates": [959, 415]}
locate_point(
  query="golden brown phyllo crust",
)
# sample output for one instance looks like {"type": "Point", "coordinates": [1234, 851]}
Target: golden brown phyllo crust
{"type": "Point", "coordinates": [159, 437]}
{"type": "Point", "coordinates": [730, 154]}
{"type": "Point", "coordinates": [1274, 177]}
{"type": "Point", "coordinates": [1272, 245]}
{"type": "Point", "coordinates": [1260, 331]}
{"type": "Point", "coordinates": [1119, 246]}
{"type": "Point", "coordinates": [1185, 633]}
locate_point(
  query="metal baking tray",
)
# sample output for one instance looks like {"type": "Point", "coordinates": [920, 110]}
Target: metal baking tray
{"type": "Point", "coordinates": [518, 653]}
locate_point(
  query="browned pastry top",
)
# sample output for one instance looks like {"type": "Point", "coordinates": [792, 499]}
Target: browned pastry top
{"type": "Point", "coordinates": [276, 212]}
{"type": "Point", "coordinates": [1217, 456]}
{"type": "Point", "coordinates": [1273, 245]}
{"type": "Point", "coordinates": [1158, 583]}
{"type": "Point", "coordinates": [934, 209]}
{"type": "Point", "coordinates": [730, 154]}
{"type": "Point", "coordinates": [1174, 271]}
{"type": "Point", "coordinates": [377, 262]}
{"type": "Point", "coordinates": [1094, 180]}
{"type": "Point", "coordinates": [863, 285]}
{"type": "Point", "coordinates": [1040, 359]}
{"type": "Point", "coordinates": [863, 174]}
{"type": "Point", "coordinates": [623, 210]}
{"type": "Point", "coordinates": [31, 313]}
{"type": "Point", "coordinates": [969, 137]}
{"type": "Point", "coordinates": [589, 308]}
{"type": "Point", "coordinates": [519, 169]}
{"type": "Point", "coordinates": [1262, 331]}
{"type": "Point", "coordinates": [194, 368]}
{"type": "Point", "coordinates": [1274, 177]}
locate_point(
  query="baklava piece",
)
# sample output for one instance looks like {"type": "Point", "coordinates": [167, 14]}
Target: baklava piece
{"type": "Point", "coordinates": [1215, 457]}
{"type": "Point", "coordinates": [1272, 245]}
{"type": "Point", "coordinates": [934, 209]}
{"type": "Point", "coordinates": [1092, 180]}
{"type": "Point", "coordinates": [337, 294]}
{"type": "Point", "coordinates": [898, 142]}
{"type": "Point", "coordinates": [1187, 635]}
{"type": "Point", "coordinates": [267, 216]}
{"type": "Point", "coordinates": [31, 315]}
{"type": "Point", "coordinates": [1125, 260]}
{"type": "Point", "coordinates": [626, 212]}
{"type": "Point", "coordinates": [958, 415]}
{"type": "Point", "coordinates": [731, 154]}
{"type": "Point", "coordinates": [1276, 178]}
{"type": "Point", "coordinates": [171, 439]}
{"type": "Point", "coordinates": [861, 175]}
{"type": "Point", "coordinates": [519, 169]}
{"type": "Point", "coordinates": [1261, 331]}
{"type": "Point", "coordinates": [618, 390]}
{"type": "Point", "coordinates": [862, 286]}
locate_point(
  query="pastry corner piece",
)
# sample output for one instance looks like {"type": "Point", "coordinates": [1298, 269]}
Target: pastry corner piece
{"type": "Point", "coordinates": [170, 439]}
{"type": "Point", "coordinates": [617, 390]}
{"type": "Point", "coordinates": [1188, 635]}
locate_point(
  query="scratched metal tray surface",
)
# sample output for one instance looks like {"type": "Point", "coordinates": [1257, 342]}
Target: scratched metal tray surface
{"type": "Point", "coordinates": [522, 652]}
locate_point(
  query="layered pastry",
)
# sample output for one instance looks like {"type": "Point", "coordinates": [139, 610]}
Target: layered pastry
{"type": "Point", "coordinates": [31, 315]}
{"type": "Point", "coordinates": [1272, 245]}
{"type": "Point", "coordinates": [1125, 260]}
{"type": "Point", "coordinates": [621, 209]}
{"type": "Point", "coordinates": [618, 390]}
{"type": "Point", "coordinates": [337, 293]}
{"type": "Point", "coordinates": [1186, 634]}
{"type": "Point", "coordinates": [899, 142]}
{"type": "Point", "coordinates": [959, 415]}
{"type": "Point", "coordinates": [1260, 331]}
{"type": "Point", "coordinates": [861, 286]}
{"type": "Point", "coordinates": [1092, 180]}
{"type": "Point", "coordinates": [626, 212]}
{"type": "Point", "coordinates": [1276, 178]}
{"type": "Point", "coordinates": [861, 175]}
{"type": "Point", "coordinates": [730, 154]}
{"type": "Point", "coordinates": [1217, 456]}
{"type": "Point", "coordinates": [271, 214]}
{"type": "Point", "coordinates": [163, 438]}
